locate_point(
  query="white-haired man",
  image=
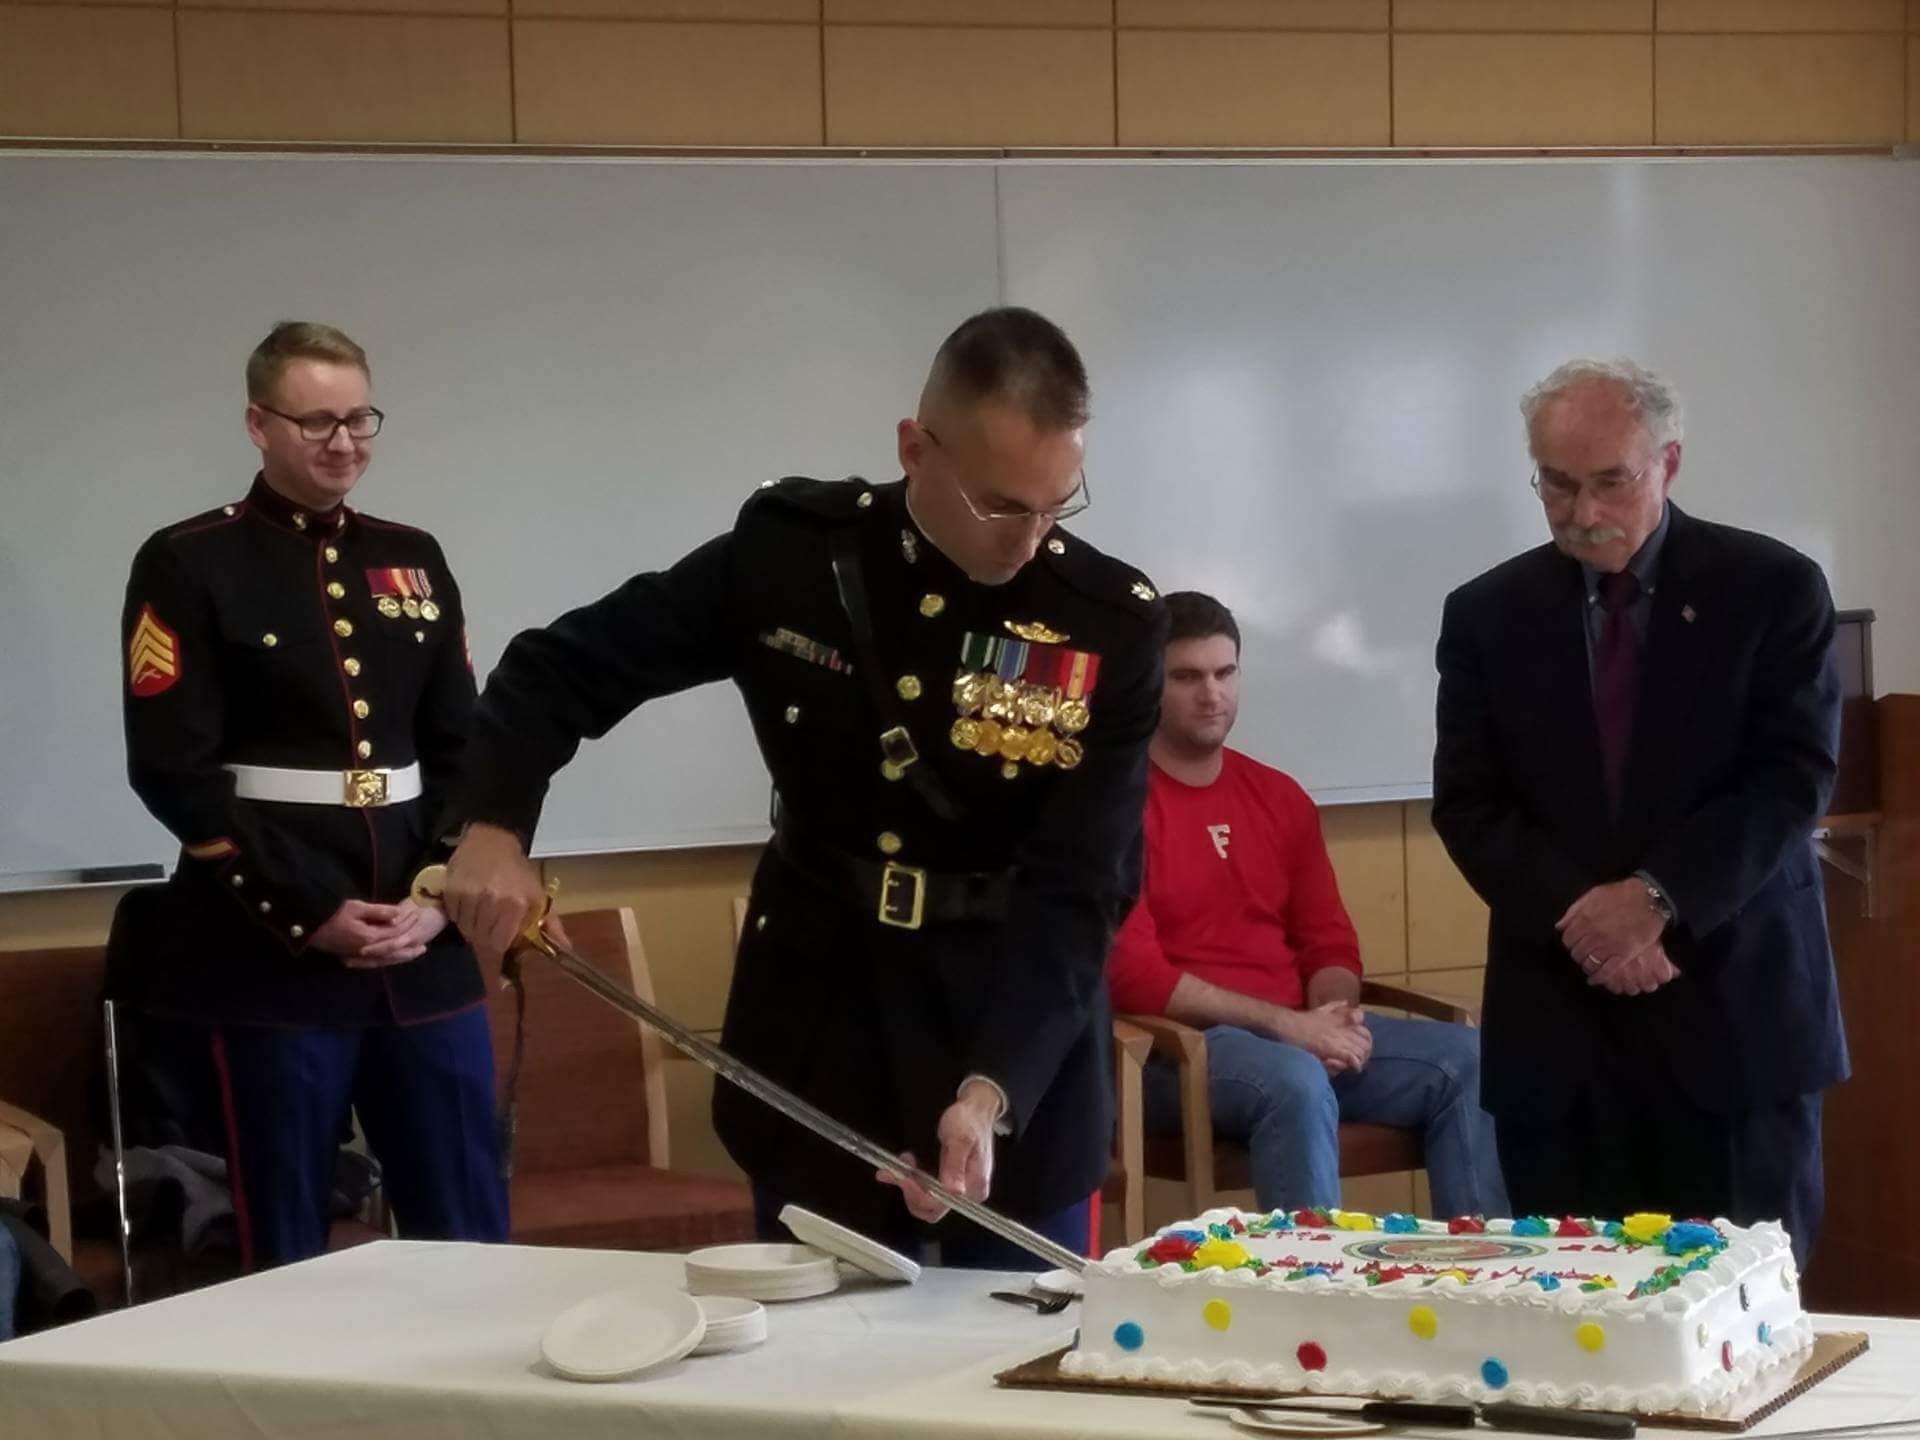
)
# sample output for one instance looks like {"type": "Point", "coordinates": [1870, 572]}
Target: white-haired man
{"type": "Point", "coordinates": [1637, 731]}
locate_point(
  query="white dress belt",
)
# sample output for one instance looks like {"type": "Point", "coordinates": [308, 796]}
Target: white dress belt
{"type": "Point", "coordinates": [355, 788]}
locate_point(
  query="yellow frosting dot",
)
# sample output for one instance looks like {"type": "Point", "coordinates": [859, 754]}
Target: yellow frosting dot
{"type": "Point", "coordinates": [1644, 1229]}
{"type": "Point", "coordinates": [1591, 1336]}
{"type": "Point", "coordinates": [1423, 1322]}
{"type": "Point", "coordinates": [1217, 1313]}
{"type": "Point", "coordinates": [1225, 1253]}
{"type": "Point", "coordinates": [1354, 1220]}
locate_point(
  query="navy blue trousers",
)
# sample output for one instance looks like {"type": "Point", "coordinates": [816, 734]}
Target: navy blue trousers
{"type": "Point", "coordinates": [275, 1101]}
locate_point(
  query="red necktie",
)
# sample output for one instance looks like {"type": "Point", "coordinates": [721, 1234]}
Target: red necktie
{"type": "Point", "coordinates": [1616, 678]}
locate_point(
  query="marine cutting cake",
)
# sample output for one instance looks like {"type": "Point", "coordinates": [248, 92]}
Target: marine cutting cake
{"type": "Point", "coordinates": [1644, 1314]}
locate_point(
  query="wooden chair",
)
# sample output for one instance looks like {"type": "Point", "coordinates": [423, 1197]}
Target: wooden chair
{"type": "Point", "coordinates": [1125, 1182]}
{"type": "Point", "coordinates": [1210, 1166]}
{"type": "Point", "coordinates": [591, 1159]}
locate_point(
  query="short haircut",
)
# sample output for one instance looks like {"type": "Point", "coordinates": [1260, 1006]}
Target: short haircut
{"type": "Point", "coordinates": [1649, 396]}
{"type": "Point", "coordinates": [298, 340]}
{"type": "Point", "coordinates": [1017, 357]}
{"type": "Point", "coordinates": [1194, 616]}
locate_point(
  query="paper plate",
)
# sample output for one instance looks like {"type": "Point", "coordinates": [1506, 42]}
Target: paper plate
{"type": "Point", "coordinates": [733, 1323]}
{"type": "Point", "coordinates": [850, 1245]}
{"type": "Point", "coordinates": [762, 1272]}
{"type": "Point", "coordinates": [622, 1333]}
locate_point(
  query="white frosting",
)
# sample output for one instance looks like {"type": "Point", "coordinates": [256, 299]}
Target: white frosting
{"type": "Point", "coordinates": [1658, 1352]}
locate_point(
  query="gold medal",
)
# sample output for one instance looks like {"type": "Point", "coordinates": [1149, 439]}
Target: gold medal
{"type": "Point", "coordinates": [388, 606]}
{"type": "Point", "coordinates": [1068, 754]}
{"type": "Point", "coordinates": [1009, 771]}
{"type": "Point", "coordinates": [965, 733]}
{"type": "Point", "coordinates": [412, 608]}
{"type": "Point", "coordinates": [1000, 699]}
{"type": "Point", "coordinates": [1038, 705]}
{"type": "Point", "coordinates": [987, 742]}
{"type": "Point", "coordinates": [1072, 717]}
{"type": "Point", "coordinates": [1041, 746]}
{"type": "Point", "coordinates": [429, 610]}
{"type": "Point", "coordinates": [970, 691]}
{"type": "Point", "coordinates": [1013, 742]}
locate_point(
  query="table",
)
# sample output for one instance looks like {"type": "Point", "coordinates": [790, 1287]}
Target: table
{"type": "Point", "coordinates": [411, 1340]}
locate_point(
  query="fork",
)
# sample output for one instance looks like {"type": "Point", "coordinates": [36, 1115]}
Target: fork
{"type": "Point", "coordinates": [1047, 1304]}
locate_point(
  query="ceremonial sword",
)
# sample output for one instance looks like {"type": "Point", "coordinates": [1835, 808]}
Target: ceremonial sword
{"type": "Point", "coordinates": [429, 888]}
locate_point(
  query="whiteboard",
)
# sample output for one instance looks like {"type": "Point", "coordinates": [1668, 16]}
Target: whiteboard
{"type": "Point", "coordinates": [1305, 378]}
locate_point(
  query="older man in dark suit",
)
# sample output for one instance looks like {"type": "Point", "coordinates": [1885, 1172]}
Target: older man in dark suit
{"type": "Point", "coordinates": [1637, 731]}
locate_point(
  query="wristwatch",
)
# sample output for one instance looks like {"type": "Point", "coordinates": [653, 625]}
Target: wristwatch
{"type": "Point", "coordinates": [1657, 898]}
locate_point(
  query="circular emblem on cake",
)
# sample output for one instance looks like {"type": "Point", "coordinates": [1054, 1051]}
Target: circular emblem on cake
{"type": "Point", "coordinates": [1443, 1250]}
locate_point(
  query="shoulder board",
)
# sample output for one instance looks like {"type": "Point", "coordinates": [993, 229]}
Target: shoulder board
{"type": "Point", "coordinates": [394, 526]}
{"type": "Point", "coordinates": [205, 520]}
{"type": "Point", "coordinates": [825, 499]}
{"type": "Point", "coordinates": [1099, 576]}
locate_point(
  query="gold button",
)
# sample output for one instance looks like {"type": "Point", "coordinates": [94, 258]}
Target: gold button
{"type": "Point", "coordinates": [1142, 590]}
{"type": "Point", "coordinates": [336, 590]}
{"type": "Point", "coordinates": [299, 521]}
{"type": "Point", "coordinates": [226, 509]}
{"type": "Point", "coordinates": [239, 880]}
{"type": "Point", "coordinates": [889, 843]}
{"type": "Point", "coordinates": [269, 639]}
{"type": "Point", "coordinates": [1057, 545]}
{"type": "Point", "coordinates": [363, 749]}
{"type": "Point", "coordinates": [1010, 771]}
{"type": "Point", "coordinates": [331, 554]}
{"type": "Point", "coordinates": [908, 686]}
{"type": "Point", "coordinates": [296, 931]}
{"type": "Point", "coordinates": [891, 771]}
{"type": "Point", "coordinates": [266, 907]}
{"type": "Point", "coordinates": [793, 715]}
{"type": "Point", "coordinates": [419, 637]}
{"type": "Point", "coordinates": [343, 628]}
{"type": "Point", "coordinates": [361, 709]}
{"type": "Point", "coordinates": [931, 604]}
{"type": "Point", "coordinates": [866, 499]}
{"type": "Point", "coordinates": [350, 665]}
{"type": "Point", "coordinates": [760, 923]}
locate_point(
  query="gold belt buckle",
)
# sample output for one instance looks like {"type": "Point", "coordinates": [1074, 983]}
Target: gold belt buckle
{"type": "Point", "coordinates": [903, 912]}
{"type": "Point", "coordinates": [365, 788]}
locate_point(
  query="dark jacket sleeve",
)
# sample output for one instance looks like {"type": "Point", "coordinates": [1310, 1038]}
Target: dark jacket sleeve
{"type": "Point", "coordinates": [443, 722]}
{"type": "Point", "coordinates": [173, 762]}
{"type": "Point", "coordinates": [659, 633]}
{"type": "Point", "coordinates": [1722, 853]}
{"type": "Point", "coordinates": [1500, 847]}
{"type": "Point", "coordinates": [1075, 877]}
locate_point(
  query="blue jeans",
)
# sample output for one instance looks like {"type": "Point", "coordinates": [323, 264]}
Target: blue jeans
{"type": "Point", "coordinates": [1279, 1101]}
{"type": "Point", "coordinates": [9, 1281]}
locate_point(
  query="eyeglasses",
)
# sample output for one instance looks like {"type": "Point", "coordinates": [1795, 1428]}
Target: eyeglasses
{"type": "Point", "coordinates": [1079, 500]}
{"type": "Point", "coordinates": [1553, 488]}
{"type": "Point", "coordinates": [361, 424]}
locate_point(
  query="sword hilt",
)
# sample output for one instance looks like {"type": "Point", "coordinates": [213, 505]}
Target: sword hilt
{"type": "Point", "coordinates": [429, 890]}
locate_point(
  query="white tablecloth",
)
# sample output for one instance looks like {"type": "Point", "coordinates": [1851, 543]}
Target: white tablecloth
{"type": "Point", "coordinates": [422, 1341]}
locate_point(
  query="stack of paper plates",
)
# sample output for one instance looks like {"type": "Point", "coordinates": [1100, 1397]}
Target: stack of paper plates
{"type": "Point", "coordinates": [732, 1323]}
{"type": "Point", "coordinates": [762, 1272]}
{"type": "Point", "coordinates": [622, 1333]}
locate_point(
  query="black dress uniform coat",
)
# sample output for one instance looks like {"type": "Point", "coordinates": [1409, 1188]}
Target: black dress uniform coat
{"type": "Point", "coordinates": [1028, 866]}
{"type": "Point", "coordinates": [256, 634]}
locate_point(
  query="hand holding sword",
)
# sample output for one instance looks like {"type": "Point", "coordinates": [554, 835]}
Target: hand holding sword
{"type": "Point", "coordinates": [493, 901]}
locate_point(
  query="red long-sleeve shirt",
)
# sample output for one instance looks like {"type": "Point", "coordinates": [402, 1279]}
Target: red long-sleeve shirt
{"type": "Point", "coordinates": [1239, 891]}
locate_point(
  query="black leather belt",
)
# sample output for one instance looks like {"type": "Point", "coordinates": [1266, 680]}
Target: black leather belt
{"type": "Point", "coordinates": [905, 897]}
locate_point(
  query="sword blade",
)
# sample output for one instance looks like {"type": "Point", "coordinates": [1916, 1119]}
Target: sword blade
{"type": "Point", "coordinates": [771, 1092]}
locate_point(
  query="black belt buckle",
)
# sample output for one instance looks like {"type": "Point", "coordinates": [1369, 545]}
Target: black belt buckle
{"type": "Point", "coordinates": [903, 895]}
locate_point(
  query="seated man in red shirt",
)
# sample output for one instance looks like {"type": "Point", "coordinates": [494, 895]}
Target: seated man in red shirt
{"type": "Point", "coordinates": [1240, 931]}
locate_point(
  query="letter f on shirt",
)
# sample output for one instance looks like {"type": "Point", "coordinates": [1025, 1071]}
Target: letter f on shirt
{"type": "Point", "coordinates": [1220, 834]}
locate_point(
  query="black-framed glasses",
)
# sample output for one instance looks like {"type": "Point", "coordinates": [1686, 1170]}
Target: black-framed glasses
{"type": "Point", "coordinates": [361, 424]}
{"type": "Point", "coordinates": [1079, 500]}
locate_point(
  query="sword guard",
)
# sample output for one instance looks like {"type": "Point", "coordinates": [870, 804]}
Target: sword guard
{"type": "Point", "coordinates": [429, 891]}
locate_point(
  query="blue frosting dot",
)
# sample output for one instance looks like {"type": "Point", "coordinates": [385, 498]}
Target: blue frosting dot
{"type": "Point", "coordinates": [1128, 1336]}
{"type": "Point", "coordinates": [1494, 1373]}
{"type": "Point", "coordinates": [1547, 1282]}
{"type": "Point", "coordinates": [1532, 1225]}
{"type": "Point", "coordinates": [1398, 1224]}
{"type": "Point", "coordinates": [1766, 1333]}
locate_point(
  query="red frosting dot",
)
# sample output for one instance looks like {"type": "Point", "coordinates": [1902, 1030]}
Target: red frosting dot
{"type": "Point", "coordinates": [1312, 1357]}
{"type": "Point", "coordinates": [1726, 1355]}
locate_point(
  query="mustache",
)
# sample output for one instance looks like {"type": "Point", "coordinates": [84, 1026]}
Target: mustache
{"type": "Point", "coordinates": [1590, 535]}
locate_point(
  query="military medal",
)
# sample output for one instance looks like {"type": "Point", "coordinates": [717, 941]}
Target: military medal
{"type": "Point", "coordinates": [792, 642]}
{"type": "Point", "coordinates": [400, 591]}
{"type": "Point", "coordinates": [411, 608]}
{"type": "Point", "coordinates": [1023, 696]}
{"type": "Point", "coordinates": [429, 610]}
{"type": "Point", "coordinates": [388, 606]}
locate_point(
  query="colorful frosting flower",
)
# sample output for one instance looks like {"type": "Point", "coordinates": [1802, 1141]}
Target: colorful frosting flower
{"type": "Point", "coordinates": [1466, 1225]}
{"type": "Point", "coordinates": [1398, 1224]}
{"type": "Point", "coordinates": [1354, 1220]}
{"type": "Point", "coordinates": [1691, 1235]}
{"type": "Point", "coordinates": [1573, 1229]}
{"type": "Point", "coordinates": [1226, 1254]}
{"type": "Point", "coordinates": [1532, 1225]}
{"type": "Point", "coordinates": [1317, 1219]}
{"type": "Point", "coordinates": [1171, 1249]}
{"type": "Point", "coordinates": [1547, 1282]}
{"type": "Point", "coordinates": [1646, 1228]}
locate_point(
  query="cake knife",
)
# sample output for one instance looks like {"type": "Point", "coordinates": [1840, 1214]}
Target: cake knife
{"type": "Point", "coordinates": [1500, 1415]}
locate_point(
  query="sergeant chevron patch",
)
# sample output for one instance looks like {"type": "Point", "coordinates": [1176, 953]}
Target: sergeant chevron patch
{"type": "Point", "coordinates": [153, 655]}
